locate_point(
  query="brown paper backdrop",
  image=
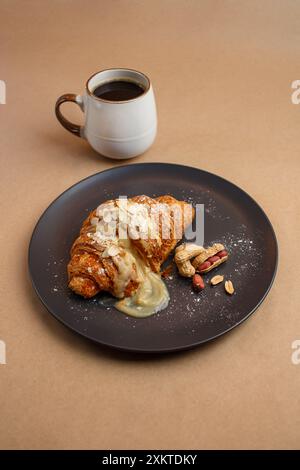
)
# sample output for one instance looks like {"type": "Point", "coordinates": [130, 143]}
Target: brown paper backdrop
{"type": "Point", "coordinates": [222, 74]}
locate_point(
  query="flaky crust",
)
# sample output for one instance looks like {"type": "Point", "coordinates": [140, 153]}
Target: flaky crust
{"type": "Point", "coordinates": [90, 272]}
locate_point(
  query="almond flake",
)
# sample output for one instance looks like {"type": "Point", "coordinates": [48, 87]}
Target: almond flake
{"type": "Point", "coordinates": [113, 250]}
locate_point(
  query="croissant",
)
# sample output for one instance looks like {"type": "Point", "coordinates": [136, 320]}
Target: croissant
{"type": "Point", "coordinates": [103, 259]}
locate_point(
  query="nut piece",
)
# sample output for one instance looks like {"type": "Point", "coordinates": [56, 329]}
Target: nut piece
{"type": "Point", "coordinates": [216, 280]}
{"type": "Point", "coordinates": [183, 254]}
{"type": "Point", "coordinates": [203, 267]}
{"type": "Point", "coordinates": [206, 253]}
{"type": "Point", "coordinates": [113, 250]}
{"type": "Point", "coordinates": [229, 287]}
{"type": "Point", "coordinates": [187, 251]}
{"type": "Point", "coordinates": [198, 283]}
{"type": "Point", "coordinates": [186, 269]}
{"type": "Point", "coordinates": [210, 258]}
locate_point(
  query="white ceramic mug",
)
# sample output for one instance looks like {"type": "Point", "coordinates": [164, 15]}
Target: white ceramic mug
{"type": "Point", "coordinates": [116, 129]}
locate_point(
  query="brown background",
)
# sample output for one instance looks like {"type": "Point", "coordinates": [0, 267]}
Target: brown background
{"type": "Point", "coordinates": [222, 73]}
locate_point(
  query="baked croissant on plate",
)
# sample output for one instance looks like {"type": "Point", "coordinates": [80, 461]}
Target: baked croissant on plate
{"type": "Point", "coordinates": [122, 245]}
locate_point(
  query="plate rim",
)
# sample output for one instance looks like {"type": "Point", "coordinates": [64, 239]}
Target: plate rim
{"type": "Point", "coordinates": [156, 350]}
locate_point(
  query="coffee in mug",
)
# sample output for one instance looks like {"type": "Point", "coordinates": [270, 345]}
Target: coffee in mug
{"type": "Point", "coordinates": [119, 90]}
{"type": "Point", "coordinates": [120, 113]}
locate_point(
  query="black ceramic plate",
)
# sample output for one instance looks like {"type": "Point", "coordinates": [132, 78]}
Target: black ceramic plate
{"type": "Point", "coordinates": [232, 217]}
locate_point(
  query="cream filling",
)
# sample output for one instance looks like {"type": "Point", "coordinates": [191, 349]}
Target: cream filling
{"type": "Point", "coordinates": [124, 265]}
{"type": "Point", "coordinates": [152, 294]}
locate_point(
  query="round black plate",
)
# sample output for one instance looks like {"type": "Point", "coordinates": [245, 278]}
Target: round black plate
{"type": "Point", "coordinates": [232, 217]}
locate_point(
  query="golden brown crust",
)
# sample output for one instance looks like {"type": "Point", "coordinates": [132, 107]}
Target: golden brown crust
{"type": "Point", "coordinates": [156, 252]}
{"type": "Point", "coordinates": [89, 272]}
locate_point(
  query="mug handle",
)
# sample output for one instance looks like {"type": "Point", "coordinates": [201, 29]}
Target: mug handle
{"type": "Point", "coordinates": [70, 126]}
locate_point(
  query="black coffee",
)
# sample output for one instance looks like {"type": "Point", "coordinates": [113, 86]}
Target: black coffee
{"type": "Point", "coordinates": [118, 90]}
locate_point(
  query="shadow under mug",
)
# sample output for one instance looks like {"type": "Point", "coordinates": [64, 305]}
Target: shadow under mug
{"type": "Point", "coordinates": [115, 129]}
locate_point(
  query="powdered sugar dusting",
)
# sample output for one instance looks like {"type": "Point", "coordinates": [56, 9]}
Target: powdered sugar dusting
{"type": "Point", "coordinates": [188, 310]}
